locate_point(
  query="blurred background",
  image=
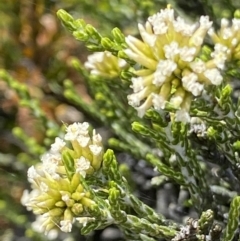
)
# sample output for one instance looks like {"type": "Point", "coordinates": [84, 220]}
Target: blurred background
{"type": "Point", "coordinates": [36, 51]}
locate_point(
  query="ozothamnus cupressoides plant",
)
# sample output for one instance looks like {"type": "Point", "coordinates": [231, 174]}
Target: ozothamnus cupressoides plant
{"type": "Point", "coordinates": [179, 77]}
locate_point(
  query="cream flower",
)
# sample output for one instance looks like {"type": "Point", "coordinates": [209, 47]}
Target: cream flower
{"type": "Point", "coordinates": [57, 192]}
{"type": "Point", "coordinates": [168, 54]}
{"type": "Point", "coordinates": [105, 64]}
{"type": "Point", "coordinates": [227, 41]}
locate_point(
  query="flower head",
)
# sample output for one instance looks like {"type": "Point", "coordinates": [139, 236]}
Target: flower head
{"type": "Point", "coordinates": [58, 194]}
{"type": "Point", "coordinates": [227, 41]}
{"type": "Point", "coordinates": [171, 70]}
{"type": "Point", "coordinates": [105, 64]}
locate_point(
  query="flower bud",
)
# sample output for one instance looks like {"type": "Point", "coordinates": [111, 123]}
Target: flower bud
{"type": "Point", "coordinates": [66, 19]}
{"type": "Point", "coordinates": [118, 35]}
{"type": "Point", "coordinates": [107, 43]}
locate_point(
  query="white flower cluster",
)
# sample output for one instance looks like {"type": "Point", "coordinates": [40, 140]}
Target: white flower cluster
{"type": "Point", "coordinates": [227, 41]}
{"type": "Point", "coordinates": [187, 231]}
{"type": "Point", "coordinates": [105, 64]}
{"type": "Point", "coordinates": [198, 127]}
{"type": "Point", "coordinates": [171, 69]}
{"type": "Point", "coordinates": [55, 196]}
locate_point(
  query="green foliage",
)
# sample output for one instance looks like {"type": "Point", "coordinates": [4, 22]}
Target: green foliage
{"type": "Point", "coordinates": [199, 153]}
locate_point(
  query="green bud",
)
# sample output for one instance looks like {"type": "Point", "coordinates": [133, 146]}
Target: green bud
{"type": "Point", "coordinates": [77, 209]}
{"type": "Point", "coordinates": [236, 145]}
{"type": "Point", "coordinates": [39, 211]}
{"type": "Point", "coordinates": [48, 204]}
{"type": "Point", "coordinates": [107, 43]}
{"type": "Point", "coordinates": [80, 23]}
{"type": "Point", "coordinates": [118, 35]}
{"type": "Point", "coordinates": [79, 188]}
{"type": "Point", "coordinates": [81, 35]}
{"type": "Point", "coordinates": [68, 215]}
{"type": "Point", "coordinates": [205, 53]}
{"type": "Point", "coordinates": [93, 32]}
{"type": "Point", "coordinates": [126, 75]}
{"type": "Point", "coordinates": [107, 158]}
{"type": "Point", "coordinates": [122, 55]}
{"type": "Point", "coordinates": [94, 47]}
{"type": "Point", "coordinates": [68, 84]}
{"type": "Point", "coordinates": [233, 220]}
{"type": "Point", "coordinates": [211, 133]}
{"type": "Point", "coordinates": [139, 128]}
{"type": "Point", "coordinates": [87, 202]}
{"type": "Point", "coordinates": [156, 117]}
{"type": "Point", "coordinates": [56, 212]}
{"type": "Point", "coordinates": [226, 92]}
{"type": "Point", "coordinates": [70, 202]}
{"type": "Point", "coordinates": [60, 204]}
{"type": "Point", "coordinates": [17, 131]}
{"type": "Point", "coordinates": [114, 194]}
{"type": "Point", "coordinates": [75, 62]}
{"type": "Point", "coordinates": [77, 196]}
{"type": "Point", "coordinates": [66, 19]}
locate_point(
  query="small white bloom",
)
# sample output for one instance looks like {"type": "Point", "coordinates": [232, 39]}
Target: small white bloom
{"type": "Point", "coordinates": [159, 78]}
{"type": "Point", "coordinates": [137, 84]}
{"type": "Point", "coordinates": [65, 197]}
{"type": "Point", "coordinates": [234, 42]}
{"type": "Point", "coordinates": [176, 101]}
{"type": "Point", "coordinates": [83, 140]}
{"type": "Point", "coordinates": [187, 54]}
{"type": "Point", "coordinates": [66, 226]}
{"type": "Point", "coordinates": [96, 138]}
{"type": "Point", "coordinates": [160, 21]}
{"type": "Point", "coordinates": [198, 126]}
{"type": "Point", "coordinates": [58, 145]}
{"type": "Point", "coordinates": [171, 50]}
{"type": "Point", "coordinates": [205, 23]}
{"type": "Point", "coordinates": [224, 23]}
{"type": "Point", "coordinates": [72, 132]}
{"type": "Point", "coordinates": [214, 76]}
{"type": "Point", "coordinates": [135, 98]}
{"type": "Point", "coordinates": [158, 102]}
{"type": "Point", "coordinates": [198, 66]}
{"type": "Point", "coordinates": [51, 158]}
{"type": "Point", "coordinates": [32, 174]}
{"type": "Point", "coordinates": [82, 165]}
{"type": "Point", "coordinates": [50, 164]}
{"type": "Point", "coordinates": [190, 84]}
{"type": "Point", "coordinates": [166, 67]}
{"type": "Point", "coordinates": [85, 220]}
{"type": "Point", "coordinates": [95, 149]}
{"type": "Point", "coordinates": [227, 33]}
{"type": "Point", "coordinates": [236, 24]}
{"type": "Point", "coordinates": [220, 55]}
{"type": "Point", "coordinates": [181, 27]}
{"type": "Point", "coordinates": [25, 197]}
{"type": "Point", "coordinates": [76, 129]}
{"type": "Point", "coordinates": [219, 48]}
